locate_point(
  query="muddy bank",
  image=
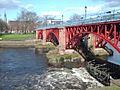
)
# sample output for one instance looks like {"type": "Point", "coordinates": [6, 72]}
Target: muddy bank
{"type": "Point", "coordinates": [26, 43]}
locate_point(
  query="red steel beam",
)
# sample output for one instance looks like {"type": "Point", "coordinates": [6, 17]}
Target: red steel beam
{"type": "Point", "coordinates": [108, 32]}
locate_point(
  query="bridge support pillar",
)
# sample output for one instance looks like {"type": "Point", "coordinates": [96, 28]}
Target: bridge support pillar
{"type": "Point", "coordinates": [44, 37]}
{"type": "Point", "coordinates": [37, 32]}
{"type": "Point", "coordinates": [36, 39]}
{"type": "Point", "coordinates": [62, 40]}
{"type": "Point", "coordinates": [91, 42]}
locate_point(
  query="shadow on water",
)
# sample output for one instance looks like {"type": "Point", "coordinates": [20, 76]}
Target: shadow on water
{"type": "Point", "coordinates": [115, 58]}
{"type": "Point", "coordinates": [16, 64]}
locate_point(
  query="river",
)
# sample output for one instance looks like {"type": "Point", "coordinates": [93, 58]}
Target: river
{"type": "Point", "coordinates": [22, 69]}
{"type": "Point", "coordinates": [116, 56]}
{"type": "Point", "coordinates": [17, 64]}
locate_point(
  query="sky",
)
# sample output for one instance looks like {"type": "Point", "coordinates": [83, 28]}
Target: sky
{"type": "Point", "coordinates": [56, 8]}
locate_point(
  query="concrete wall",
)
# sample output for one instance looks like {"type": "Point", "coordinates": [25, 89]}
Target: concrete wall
{"type": "Point", "coordinates": [26, 43]}
{"type": "Point", "coordinates": [91, 42]}
{"type": "Point", "coordinates": [62, 40]}
{"type": "Point", "coordinates": [91, 45]}
{"type": "Point", "coordinates": [37, 34]}
{"type": "Point", "coordinates": [44, 37]}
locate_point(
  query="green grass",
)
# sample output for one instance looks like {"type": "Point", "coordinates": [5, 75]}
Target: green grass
{"type": "Point", "coordinates": [108, 88]}
{"type": "Point", "coordinates": [54, 55]}
{"type": "Point", "coordinates": [17, 36]}
{"type": "Point", "coordinates": [47, 46]}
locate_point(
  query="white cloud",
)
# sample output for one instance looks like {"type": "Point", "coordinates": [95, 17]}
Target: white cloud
{"type": "Point", "coordinates": [102, 7]}
{"type": "Point", "coordinates": [67, 12]}
{"type": "Point", "coordinates": [28, 6]}
{"type": "Point", "coordinates": [52, 13]}
{"type": "Point", "coordinates": [110, 3]}
{"type": "Point", "coordinates": [9, 4]}
{"type": "Point", "coordinates": [13, 4]}
{"type": "Point", "coordinates": [81, 10]}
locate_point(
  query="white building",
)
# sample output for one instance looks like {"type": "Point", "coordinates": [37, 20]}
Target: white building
{"type": "Point", "coordinates": [54, 21]}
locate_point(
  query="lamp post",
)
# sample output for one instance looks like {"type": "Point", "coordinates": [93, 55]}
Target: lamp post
{"type": "Point", "coordinates": [62, 19]}
{"type": "Point", "coordinates": [85, 12]}
{"type": "Point", "coordinates": [113, 13]}
{"type": "Point", "coordinates": [86, 37]}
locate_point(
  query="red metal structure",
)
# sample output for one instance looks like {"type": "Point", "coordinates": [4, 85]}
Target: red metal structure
{"type": "Point", "coordinates": [52, 34]}
{"type": "Point", "coordinates": [105, 32]}
{"type": "Point", "coordinates": [75, 37]}
{"type": "Point", "coordinates": [40, 34]}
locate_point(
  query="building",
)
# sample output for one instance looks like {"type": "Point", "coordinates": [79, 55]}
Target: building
{"type": "Point", "coordinates": [20, 27]}
{"type": "Point", "coordinates": [54, 21]}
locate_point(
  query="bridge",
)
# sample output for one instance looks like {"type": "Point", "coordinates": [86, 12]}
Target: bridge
{"type": "Point", "coordinates": [98, 32]}
{"type": "Point", "coordinates": [69, 35]}
{"type": "Point", "coordinates": [94, 32]}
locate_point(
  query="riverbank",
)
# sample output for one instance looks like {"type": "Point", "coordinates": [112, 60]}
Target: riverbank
{"type": "Point", "coordinates": [17, 40]}
{"type": "Point", "coordinates": [68, 60]}
{"type": "Point", "coordinates": [24, 43]}
{"type": "Point", "coordinates": [71, 61]}
{"type": "Point", "coordinates": [72, 76]}
{"type": "Point", "coordinates": [17, 37]}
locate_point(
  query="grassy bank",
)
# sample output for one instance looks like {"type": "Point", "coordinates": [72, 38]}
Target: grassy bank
{"type": "Point", "coordinates": [54, 55]}
{"type": "Point", "coordinates": [47, 46]}
{"type": "Point", "coordinates": [54, 58]}
{"type": "Point", "coordinates": [107, 88]}
{"type": "Point", "coordinates": [17, 36]}
{"type": "Point", "coordinates": [57, 60]}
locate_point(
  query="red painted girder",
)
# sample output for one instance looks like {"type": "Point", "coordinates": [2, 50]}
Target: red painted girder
{"type": "Point", "coordinates": [55, 31]}
{"type": "Point", "coordinates": [107, 31]}
{"type": "Point", "coordinates": [40, 34]}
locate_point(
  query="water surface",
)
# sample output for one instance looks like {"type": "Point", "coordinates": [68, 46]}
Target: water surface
{"type": "Point", "coordinates": [17, 64]}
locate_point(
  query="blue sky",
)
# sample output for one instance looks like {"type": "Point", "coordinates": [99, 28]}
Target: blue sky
{"type": "Point", "coordinates": [56, 7]}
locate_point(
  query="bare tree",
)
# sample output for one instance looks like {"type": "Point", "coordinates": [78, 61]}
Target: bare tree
{"type": "Point", "coordinates": [75, 18]}
{"type": "Point", "coordinates": [45, 18]}
{"type": "Point", "coordinates": [3, 26]}
{"type": "Point", "coordinates": [28, 21]}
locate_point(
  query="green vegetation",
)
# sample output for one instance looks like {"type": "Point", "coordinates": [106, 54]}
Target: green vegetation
{"type": "Point", "coordinates": [17, 36]}
{"type": "Point", "coordinates": [108, 88]}
{"type": "Point", "coordinates": [47, 46]}
{"type": "Point", "coordinates": [54, 55]}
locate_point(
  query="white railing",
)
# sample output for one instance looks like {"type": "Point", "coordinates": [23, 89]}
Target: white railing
{"type": "Point", "coordinates": [102, 18]}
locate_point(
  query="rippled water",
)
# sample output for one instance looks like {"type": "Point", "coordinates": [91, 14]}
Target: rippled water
{"type": "Point", "coordinates": [22, 69]}
{"type": "Point", "coordinates": [116, 56]}
{"type": "Point", "coordinates": [17, 64]}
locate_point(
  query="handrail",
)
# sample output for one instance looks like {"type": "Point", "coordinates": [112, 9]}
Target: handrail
{"type": "Point", "coordinates": [102, 18]}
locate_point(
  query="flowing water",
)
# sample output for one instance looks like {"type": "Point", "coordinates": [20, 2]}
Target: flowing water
{"type": "Point", "coordinates": [22, 69]}
{"type": "Point", "coordinates": [17, 64]}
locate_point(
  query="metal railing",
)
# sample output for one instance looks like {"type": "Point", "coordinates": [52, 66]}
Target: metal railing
{"type": "Point", "coordinates": [102, 18]}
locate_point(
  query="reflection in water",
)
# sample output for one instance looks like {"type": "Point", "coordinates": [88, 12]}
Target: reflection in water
{"type": "Point", "coordinates": [17, 64]}
{"type": "Point", "coordinates": [116, 56]}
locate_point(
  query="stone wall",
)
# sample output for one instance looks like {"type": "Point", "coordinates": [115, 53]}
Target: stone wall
{"type": "Point", "coordinates": [26, 43]}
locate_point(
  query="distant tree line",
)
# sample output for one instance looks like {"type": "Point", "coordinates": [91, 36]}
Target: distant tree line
{"type": "Point", "coordinates": [3, 26]}
{"type": "Point", "coordinates": [28, 21]}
